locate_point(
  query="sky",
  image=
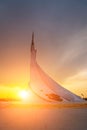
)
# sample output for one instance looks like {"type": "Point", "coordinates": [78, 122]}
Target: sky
{"type": "Point", "coordinates": [60, 28]}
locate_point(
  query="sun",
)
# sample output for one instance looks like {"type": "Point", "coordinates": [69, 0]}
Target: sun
{"type": "Point", "coordinates": [23, 94]}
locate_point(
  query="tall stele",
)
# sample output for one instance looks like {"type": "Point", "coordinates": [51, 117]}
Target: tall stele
{"type": "Point", "coordinates": [44, 86]}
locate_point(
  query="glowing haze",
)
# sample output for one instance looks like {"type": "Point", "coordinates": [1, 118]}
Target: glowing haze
{"type": "Point", "coordinates": [60, 28]}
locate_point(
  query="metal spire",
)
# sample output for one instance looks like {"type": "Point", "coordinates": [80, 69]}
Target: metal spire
{"type": "Point", "coordinates": [33, 50]}
{"type": "Point", "coordinates": [33, 38]}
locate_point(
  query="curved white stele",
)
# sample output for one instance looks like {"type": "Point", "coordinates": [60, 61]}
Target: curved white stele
{"type": "Point", "coordinates": [44, 86]}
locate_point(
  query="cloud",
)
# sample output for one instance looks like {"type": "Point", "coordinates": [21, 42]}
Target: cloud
{"type": "Point", "coordinates": [77, 83]}
{"type": "Point", "coordinates": [74, 55]}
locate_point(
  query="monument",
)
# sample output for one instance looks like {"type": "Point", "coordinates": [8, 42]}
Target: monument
{"type": "Point", "coordinates": [44, 86]}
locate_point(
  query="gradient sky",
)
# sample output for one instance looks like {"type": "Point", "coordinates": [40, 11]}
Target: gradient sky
{"type": "Point", "coordinates": [60, 28]}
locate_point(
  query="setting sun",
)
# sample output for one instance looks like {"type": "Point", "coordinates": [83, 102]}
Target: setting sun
{"type": "Point", "coordinates": [23, 94]}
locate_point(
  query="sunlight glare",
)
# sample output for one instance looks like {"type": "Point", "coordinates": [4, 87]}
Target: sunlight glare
{"type": "Point", "coordinates": [23, 94]}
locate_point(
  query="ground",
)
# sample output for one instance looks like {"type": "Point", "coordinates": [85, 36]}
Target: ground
{"type": "Point", "coordinates": [28, 117]}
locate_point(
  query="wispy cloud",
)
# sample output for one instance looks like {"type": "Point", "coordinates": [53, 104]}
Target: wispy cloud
{"type": "Point", "coordinates": [77, 83]}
